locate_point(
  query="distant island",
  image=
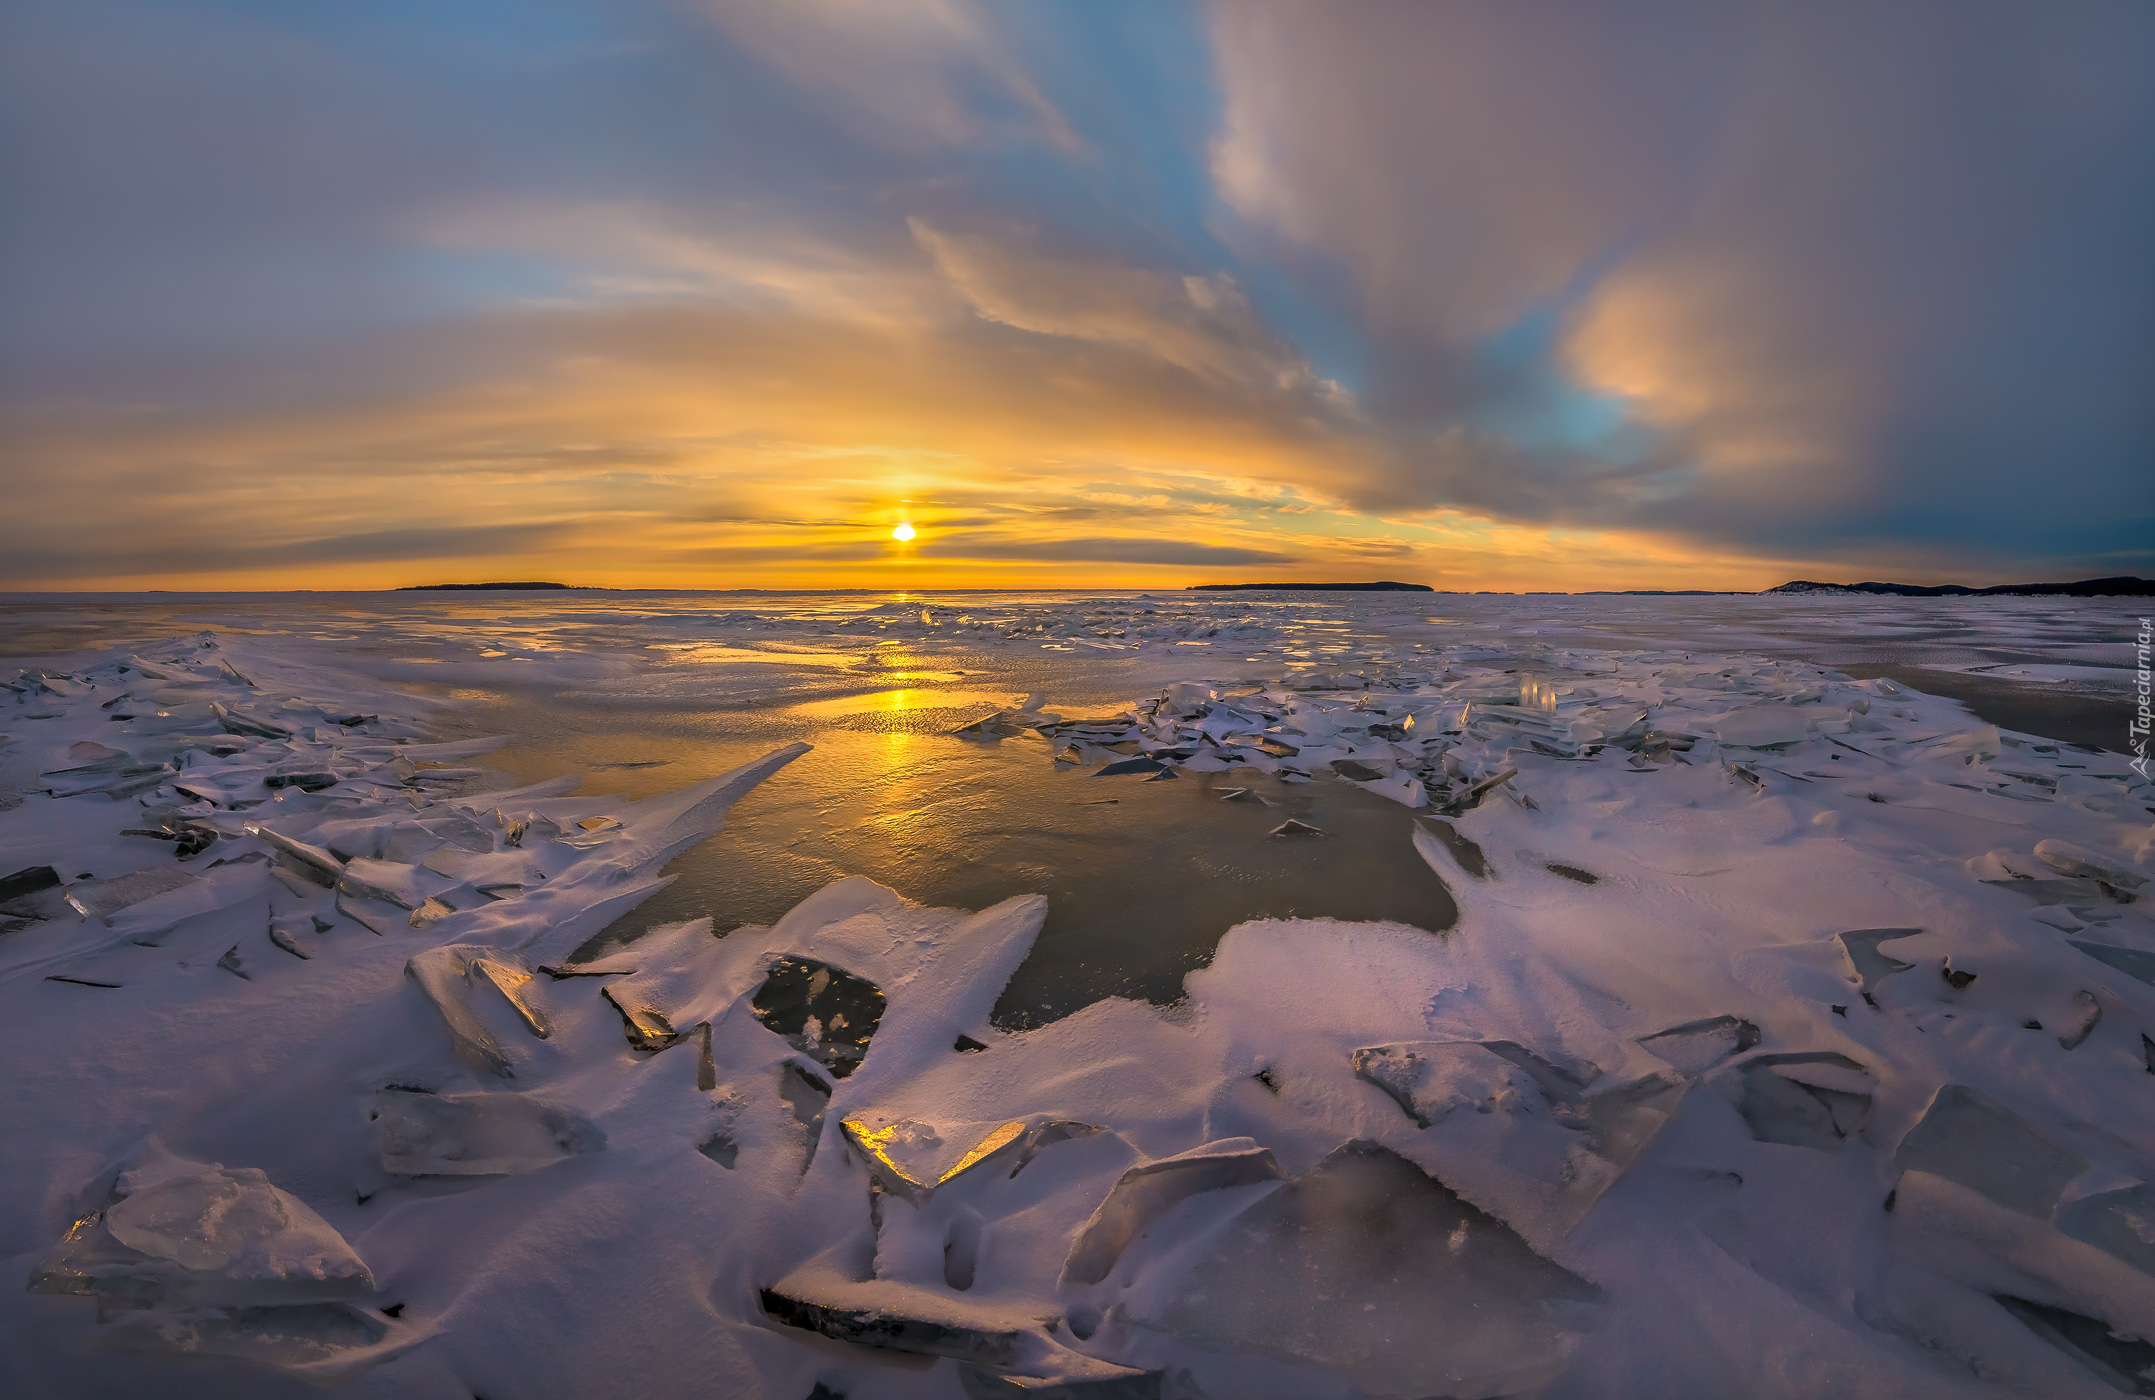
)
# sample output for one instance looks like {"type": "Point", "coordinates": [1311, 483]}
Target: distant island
{"type": "Point", "coordinates": [2086, 588]}
{"type": "Point", "coordinates": [476, 587]}
{"type": "Point", "coordinates": [1386, 586]}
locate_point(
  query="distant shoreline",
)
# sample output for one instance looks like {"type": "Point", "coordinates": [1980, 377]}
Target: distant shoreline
{"type": "Point", "coordinates": [1386, 586]}
{"type": "Point", "coordinates": [483, 587]}
{"type": "Point", "coordinates": [2119, 587]}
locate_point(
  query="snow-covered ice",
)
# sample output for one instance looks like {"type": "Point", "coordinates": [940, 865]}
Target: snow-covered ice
{"type": "Point", "coordinates": [1736, 1026]}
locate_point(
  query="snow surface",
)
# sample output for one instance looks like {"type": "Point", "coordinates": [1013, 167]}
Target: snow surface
{"type": "Point", "coordinates": [1791, 1037]}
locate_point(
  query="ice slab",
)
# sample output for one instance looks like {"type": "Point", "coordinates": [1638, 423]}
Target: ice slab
{"type": "Point", "coordinates": [320, 1342]}
{"type": "Point", "coordinates": [206, 1237]}
{"type": "Point", "coordinates": [2070, 858]}
{"type": "Point", "coordinates": [1697, 1046]}
{"type": "Point", "coordinates": [1430, 1079]}
{"type": "Point", "coordinates": [2120, 1223]}
{"type": "Point", "coordinates": [1813, 1099]}
{"type": "Point", "coordinates": [450, 975]}
{"type": "Point", "coordinates": [2123, 1362]}
{"type": "Point", "coordinates": [101, 899]}
{"type": "Point", "coordinates": [489, 1134]}
{"type": "Point", "coordinates": [1146, 1191]}
{"type": "Point", "coordinates": [912, 1158]}
{"type": "Point", "coordinates": [647, 1028]}
{"type": "Point", "coordinates": [2087, 1015]}
{"type": "Point", "coordinates": [897, 1318]}
{"type": "Point", "coordinates": [1539, 1143]}
{"type": "Point", "coordinates": [1371, 1267]}
{"type": "Point", "coordinates": [1967, 1137]}
{"type": "Point", "coordinates": [2136, 963]}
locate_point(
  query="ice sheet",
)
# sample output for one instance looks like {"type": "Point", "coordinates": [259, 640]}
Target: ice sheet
{"type": "Point", "coordinates": [1700, 1203]}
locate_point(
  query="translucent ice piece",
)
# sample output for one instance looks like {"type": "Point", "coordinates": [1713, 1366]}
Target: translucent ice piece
{"type": "Point", "coordinates": [312, 862]}
{"type": "Point", "coordinates": [385, 880]}
{"type": "Point", "coordinates": [205, 1237]}
{"type": "Point", "coordinates": [1696, 1046]}
{"type": "Point", "coordinates": [477, 1134]}
{"type": "Point", "coordinates": [449, 975]}
{"type": "Point", "coordinates": [2070, 859]}
{"type": "Point", "coordinates": [1430, 1079]}
{"type": "Point", "coordinates": [1148, 1190]}
{"type": "Point", "coordinates": [895, 1318]}
{"type": "Point", "coordinates": [1805, 1100]}
{"type": "Point", "coordinates": [2123, 1360]}
{"type": "Point", "coordinates": [647, 1028]}
{"type": "Point", "coordinates": [911, 1158]}
{"type": "Point", "coordinates": [1371, 1267]}
{"type": "Point", "coordinates": [300, 1337]}
{"type": "Point", "coordinates": [199, 1222]}
{"type": "Point", "coordinates": [98, 899]}
{"type": "Point", "coordinates": [2087, 1015]}
{"type": "Point", "coordinates": [2136, 963]}
{"type": "Point", "coordinates": [2120, 1223]}
{"type": "Point", "coordinates": [1967, 1137]}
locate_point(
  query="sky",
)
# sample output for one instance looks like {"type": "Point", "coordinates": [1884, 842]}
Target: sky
{"type": "Point", "coordinates": [1103, 293]}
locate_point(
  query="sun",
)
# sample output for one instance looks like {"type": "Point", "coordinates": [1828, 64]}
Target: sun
{"type": "Point", "coordinates": [903, 532]}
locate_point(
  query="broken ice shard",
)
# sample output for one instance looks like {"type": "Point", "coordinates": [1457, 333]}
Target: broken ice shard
{"type": "Point", "coordinates": [312, 1340]}
{"type": "Point", "coordinates": [1146, 1191]}
{"type": "Point", "coordinates": [1472, 797]}
{"type": "Point", "coordinates": [979, 1384]}
{"type": "Point", "coordinates": [1696, 1046]}
{"type": "Point", "coordinates": [2120, 1223]}
{"type": "Point", "coordinates": [1369, 1266]}
{"type": "Point", "coordinates": [212, 1237]}
{"type": "Point", "coordinates": [2087, 1014]}
{"type": "Point", "coordinates": [647, 1028]}
{"type": "Point", "coordinates": [100, 899]}
{"type": "Point", "coordinates": [488, 1134]}
{"type": "Point", "coordinates": [1812, 1099]}
{"type": "Point", "coordinates": [1869, 965]}
{"type": "Point", "coordinates": [1430, 1079]}
{"type": "Point", "coordinates": [1968, 1137]}
{"type": "Point", "coordinates": [448, 976]}
{"type": "Point", "coordinates": [911, 1159]}
{"type": "Point", "coordinates": [1291, 827]}
{"type": "Point", "coordinates": [311, 862]}
{"type": "Point", "coordinates": [898, 1318]}
{"type": "Point", "coordinates": [2069, 859]}
{"type": "Point", "coordinates": [825, 1012]}
{"type": "Point", "coordinates": [806, 1096]}
{"type": "Point", "coordinates": [29, 880]}
{"type": "Point", "coordinates": [1355, 769]}
{"type": "Point", "coordinates": [2135, 963]}
{"type": "Point", "coordinates": [286, 931]}
{"type": "Point", "coordinates": [2124, 1361]}
{"type": "Point", "coordinates": [1129, 765]}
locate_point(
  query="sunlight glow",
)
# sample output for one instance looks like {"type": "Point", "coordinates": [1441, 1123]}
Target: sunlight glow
{"type": "Point", "coordinates": [903, 532]}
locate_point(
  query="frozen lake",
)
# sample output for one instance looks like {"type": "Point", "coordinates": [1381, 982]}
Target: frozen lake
{"type": "Point", "coordinates": [1650, 942]}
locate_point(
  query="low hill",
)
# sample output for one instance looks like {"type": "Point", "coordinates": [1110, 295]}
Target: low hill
{"type": "Point", "coordinates": [1386, 586]}
{"type": "Point", "coordinates": [2087, 588]}
{"type": "Point", "coordinates": [478, 587]}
